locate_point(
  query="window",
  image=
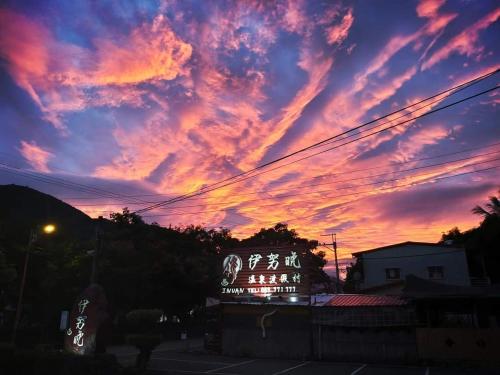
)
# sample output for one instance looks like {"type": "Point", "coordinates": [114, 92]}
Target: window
{"type": "Point", "coordinates": [436, 272]}
{"type": "Point", "coordinates": [392, 273]}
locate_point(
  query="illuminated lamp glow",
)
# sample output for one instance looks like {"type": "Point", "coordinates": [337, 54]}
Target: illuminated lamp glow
{"type": "Point", "coordinates": [294, 299]}
{"type": "Point", "coordinates": [49, 228]}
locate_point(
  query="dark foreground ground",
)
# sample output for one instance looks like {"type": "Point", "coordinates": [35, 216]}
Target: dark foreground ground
{"type": "Point", "coordinates": [188, 358]}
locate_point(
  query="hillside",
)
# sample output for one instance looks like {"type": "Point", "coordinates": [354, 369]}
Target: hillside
{"type": "Point", "coordinates": [23, 208]}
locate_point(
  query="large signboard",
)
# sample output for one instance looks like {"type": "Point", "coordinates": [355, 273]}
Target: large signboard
{"type": "Point", "coordinates": [265, 272]}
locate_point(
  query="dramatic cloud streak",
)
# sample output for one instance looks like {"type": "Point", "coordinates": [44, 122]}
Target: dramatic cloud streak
{"type": "Point", "coordinates": [157, 101]}
{"type": "Point", "coordinates": [37, 157]}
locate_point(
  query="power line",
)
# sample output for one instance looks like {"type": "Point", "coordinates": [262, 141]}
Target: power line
{"type": "Point", "coordinates": [313, 185]}
{"type": "Point", "coordinates": [343, 204]}
{"type": "Point", "coordinates": [108, 194]}
{"type": "Point", "coordinates": [17, 158]}
{"type": "Point", "coordinates": [62, 182]}
{"type": "Point", "coordinates": [456, 89]}
{"type": "Point", "coordinates": [204, 191]}
{"type": "Point", "coordinates": [332, 148]}
{"type": "Point", "coordinates": [346, 180]}
{"type": "Point", "coordinates": [342, 195]}
{"type": "Point", "coordinates": [316, 177]}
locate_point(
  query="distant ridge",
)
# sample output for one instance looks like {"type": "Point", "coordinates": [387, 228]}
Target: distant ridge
{"type": "Point", "coordinates": [23, 208]}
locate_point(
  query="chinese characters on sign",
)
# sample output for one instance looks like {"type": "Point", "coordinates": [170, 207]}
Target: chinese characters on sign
{"type": "Point", "coordinates": [88, 320]}
{"type": "Point", "coordinates": [80, 323]}
{"type": "Point", "coordinates": [272, 271]}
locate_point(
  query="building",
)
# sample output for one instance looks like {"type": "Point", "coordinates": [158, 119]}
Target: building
{"type": "Point", "coordinates": [433, 314]}
{"type": "Point", "coordinates": [364, 328]}
{"type": "Point", "coordinates": [383, 269]}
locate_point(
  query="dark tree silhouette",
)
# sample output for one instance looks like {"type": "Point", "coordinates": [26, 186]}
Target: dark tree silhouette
{"type": "Point", "coordinates": [493, 208]}
{"type": "Point", "coordinates": [482, 243]}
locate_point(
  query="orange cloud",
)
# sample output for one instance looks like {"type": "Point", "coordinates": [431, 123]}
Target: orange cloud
{"type": "Point", "coordinates": [151, 51]}
{"type": "Point", "coordinates": [56, 74]}
{"type": "Point", "coordinates": [36, 156]}
{"type": "Point", "coordinates": [222, 124]}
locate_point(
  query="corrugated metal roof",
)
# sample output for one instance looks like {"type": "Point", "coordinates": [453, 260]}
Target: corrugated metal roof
{"type": "Point", "coordinates": [356, 300]}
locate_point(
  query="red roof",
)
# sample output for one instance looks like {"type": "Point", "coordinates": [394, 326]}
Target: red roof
{"type": "Point", "coordinates": [355, 300]}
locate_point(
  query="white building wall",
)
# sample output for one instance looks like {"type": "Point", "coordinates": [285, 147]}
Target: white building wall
{"type": "Point", "coordinates": [415, 259]}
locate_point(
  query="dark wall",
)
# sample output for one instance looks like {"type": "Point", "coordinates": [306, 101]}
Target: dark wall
{"type": "Point", "coordinates": [288, 331]}
{"type": "Point", "coordinates": [350, 344]}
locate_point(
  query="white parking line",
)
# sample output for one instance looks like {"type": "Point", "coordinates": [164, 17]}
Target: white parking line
{"type": "Point", "coordinates": [290, 368]}
{"type": "Point", "coordinates": [189, 361]}
{"type": "Point", "coordinates": [189, 371]}
{"type": "Point", "coordinates": [427, 371]}
{"type": "Point", "coordinates": [174, 350]}
{"type": "Point", "coordinates": [358, 370]}
{"type": "Point", "coordinates": [233, 365]}
{"type": "Point", "coordinates": [126, 354]}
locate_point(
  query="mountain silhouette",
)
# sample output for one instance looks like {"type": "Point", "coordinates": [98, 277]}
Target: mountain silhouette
{"type": "Point", "coordinates": [23, 209]}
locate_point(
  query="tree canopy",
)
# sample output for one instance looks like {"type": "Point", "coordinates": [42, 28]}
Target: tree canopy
{"type": "Point", "coordinates": [482, 244]}
{"type": "Point", "coordinates": [140, 265]}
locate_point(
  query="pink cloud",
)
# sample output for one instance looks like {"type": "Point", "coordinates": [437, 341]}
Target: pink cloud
{"type": "Point", "coordinates": [465, 43]}
{"type": "Point", "coordinates": [429, 8]}
{"type": "Point", "coordinates": [36, 156]}
{"type": "Point", "coordinates": [151, 51]}
{"type": "Point", "coordinates": [223, 125]}
{"type": "Point", "coordinates": [336, 34]}
{"type": "Point", "coordinates": [418, 140]}
{"type": "Point", "coordinates": [294, 17]}
{"type": "Point", "coordinates": [56, 74]}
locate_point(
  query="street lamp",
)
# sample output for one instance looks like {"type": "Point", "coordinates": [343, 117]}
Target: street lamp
{"type": "Point", "coordinates": [47, 229]}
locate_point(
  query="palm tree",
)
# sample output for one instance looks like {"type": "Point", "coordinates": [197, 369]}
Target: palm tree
{"type": "Point", "coordinates": [492, 210]}
{"type": "Point", "coordinates": [491, 214]}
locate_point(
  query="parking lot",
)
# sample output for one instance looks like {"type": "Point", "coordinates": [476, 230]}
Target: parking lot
{"type": "Point", "coordinates": [195, 361]}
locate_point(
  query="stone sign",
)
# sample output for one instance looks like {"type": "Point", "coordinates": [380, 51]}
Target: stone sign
{"type": "Point", "coordinates": [89, 322]}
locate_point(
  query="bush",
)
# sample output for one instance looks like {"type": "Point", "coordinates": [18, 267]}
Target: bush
{"type": "Point", "coordinates": [143, 321]}
{"type": "Point", "coordinates": [143, 324]}
{"type": "Point", "coordinates": [58, 363]}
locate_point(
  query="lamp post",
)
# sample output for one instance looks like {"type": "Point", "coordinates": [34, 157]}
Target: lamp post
{"type": "Point", "coordinates": [47, 229]}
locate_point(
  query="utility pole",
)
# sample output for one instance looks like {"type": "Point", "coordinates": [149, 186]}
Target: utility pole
{"type": "Point", "coordinates": [95, 258]}
{"type": "Point", "coordinates": [47, 229]}
{"type": "Point", "coordinates": [31, 242]}
{"type": "Point", "coordinates": [334, 245]}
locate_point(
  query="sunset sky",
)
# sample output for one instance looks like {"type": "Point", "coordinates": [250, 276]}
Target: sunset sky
{"type": "Point", "coordinates": [161, 98]}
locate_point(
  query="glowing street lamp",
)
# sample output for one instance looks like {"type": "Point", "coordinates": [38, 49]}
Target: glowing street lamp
{"type": "Point", "coordinates": [47, 229]}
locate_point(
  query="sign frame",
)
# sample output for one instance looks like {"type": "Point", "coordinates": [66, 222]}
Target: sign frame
{"type": "Point", "coordinates": [265, 274]}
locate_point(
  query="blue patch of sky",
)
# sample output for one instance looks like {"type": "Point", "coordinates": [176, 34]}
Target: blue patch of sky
{"type": "Point", "coordinates": [240, 61]}
{"type": "Point", "coordinates": [288, 177]}
{"type": "Point", "coordinates": [90, 143]}
{"type": "Point", "coordinates": [20, 118]}
{"type": "Point", "coordinates": [341, 227]}
{"type": "Point", "coordinates": [159, 172]}
{"type": "Point", "coordinates": [233, 217]}
{"type": "Point", "coordinates": [284, 77]}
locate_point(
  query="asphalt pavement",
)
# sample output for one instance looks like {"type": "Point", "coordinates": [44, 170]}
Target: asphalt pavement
{"type": "Point", "coordinates": [187, 357]}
